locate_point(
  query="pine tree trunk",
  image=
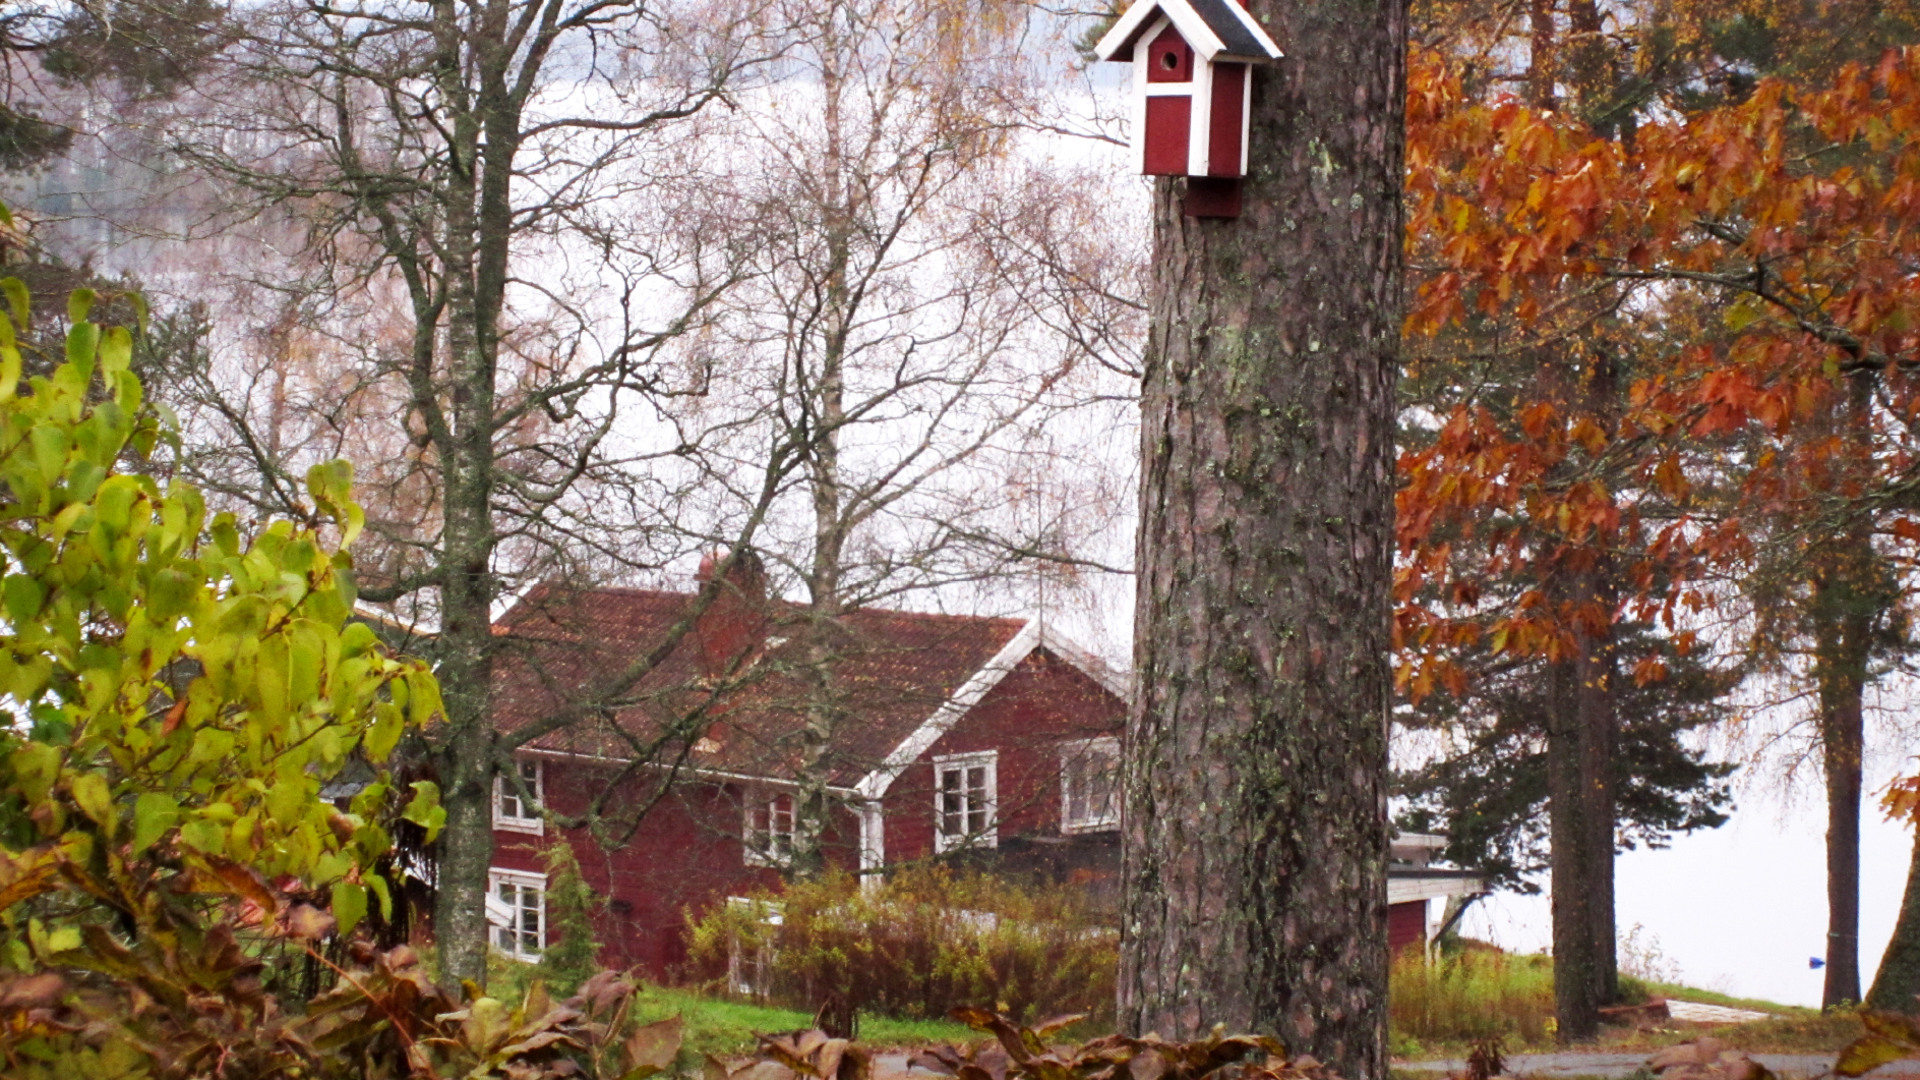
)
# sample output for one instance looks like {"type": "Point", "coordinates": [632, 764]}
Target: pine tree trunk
{"type": "Point", "coordinates": [1896, 988]}
{"type": "Point", "coordinates": [1256, 840]}
{"type": "Point", "coordinates": [1841, 740]}
{"type": "Point", "coordinates": [1849, 595]}
{"type": "Point", "coordinates": [1580, 766]}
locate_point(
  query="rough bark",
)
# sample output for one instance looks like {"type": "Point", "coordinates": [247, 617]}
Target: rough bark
{"type": "Point", "coordinates": [1848, 598]}
{"type": "Point", "coordinates": [1896, 987]}
{"type": "Point", "coordinates": [1581, 733]}
{"type": "Point", "coordinates": [1256, 840]}
{"type": "Point", "coordinates": [1841, 627]}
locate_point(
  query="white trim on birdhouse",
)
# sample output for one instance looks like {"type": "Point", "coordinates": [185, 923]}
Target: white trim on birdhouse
{"type": "Point", "coordinates": [1134, 24]}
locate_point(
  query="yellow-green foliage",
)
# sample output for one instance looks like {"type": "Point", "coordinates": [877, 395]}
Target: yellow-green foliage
{"type": "Point", "coordinates": [179, 694]}
{"type": "Point", "coordinates": [1469, 996]}
{"type": "Point", "coordinates": [924, 941]}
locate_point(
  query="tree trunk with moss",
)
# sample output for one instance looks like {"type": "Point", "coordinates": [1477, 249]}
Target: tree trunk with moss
{"type": "Point", "coordinates": [1256, 837]}
{"type": "Point", "coordinates": [1896, 988]}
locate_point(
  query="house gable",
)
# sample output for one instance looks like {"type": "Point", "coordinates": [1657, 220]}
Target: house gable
{"type": "Point", "coordinates": [1034, 636]}
{"type": "Point", "coordinates": [1037, 708]}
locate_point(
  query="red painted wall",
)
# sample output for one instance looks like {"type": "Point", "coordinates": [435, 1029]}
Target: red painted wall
{"type": "Point", "coordinates": [1169, 121]}
{"type": "Point", "coordinates": [1225, 116]}
{"type": "Point", "coordinates": [1406, 926]}
{"type": "Point", "coordinates": [687, 854]}
{"type": "Point", "coordinates": [1042, 704]}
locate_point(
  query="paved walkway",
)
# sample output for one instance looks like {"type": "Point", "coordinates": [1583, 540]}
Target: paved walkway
{"type": "Point", "coordinates": [1561, 1066]}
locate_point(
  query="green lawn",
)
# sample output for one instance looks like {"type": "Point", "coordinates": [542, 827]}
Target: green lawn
{"type": "Point", "coordinates": [726, 1028]}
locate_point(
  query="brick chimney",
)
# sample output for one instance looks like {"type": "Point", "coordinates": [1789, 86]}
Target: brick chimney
{"type": "Point", "coordinates": [736, 621]}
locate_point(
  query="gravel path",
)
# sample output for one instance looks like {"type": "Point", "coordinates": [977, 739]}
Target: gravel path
{"type": "Point", "coordinates": [1565, 1065]}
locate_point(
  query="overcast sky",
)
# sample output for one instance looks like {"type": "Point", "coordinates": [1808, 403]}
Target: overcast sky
{"type": "Point", "coordinates": [1739, 909]}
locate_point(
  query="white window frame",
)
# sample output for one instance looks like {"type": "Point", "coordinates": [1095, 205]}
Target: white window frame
{"type": "Point", "coordinates": [1081, 750]}
{"type": "Point", "coordinates": [504, 919]}
{"type": "Point", "coordinates": [758, 847]}
{"type": "Point", "coordinates": [989, 834]}
{"type": "Point", "coordinates": [509, 812]}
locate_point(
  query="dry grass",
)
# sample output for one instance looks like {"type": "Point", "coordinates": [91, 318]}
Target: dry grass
{"type": "Point", "coordinates": [1468, 997]}
{"type": "Point", "coordinates": [1442, 1009]}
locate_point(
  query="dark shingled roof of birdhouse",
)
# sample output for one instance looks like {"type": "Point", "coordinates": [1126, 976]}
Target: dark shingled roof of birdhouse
{"type": "Point", "coordinates": [1227, 26]}
{"type": "Point", "coordinates": [894, 669]}
{"type": "Point", "coordinates": [1220, 20]}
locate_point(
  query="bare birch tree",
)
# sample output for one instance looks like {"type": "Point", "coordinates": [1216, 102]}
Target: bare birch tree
{"type": "Point", "coordinates": [917, 310]}
{"type": "Point", "coordinates": [492, 258]}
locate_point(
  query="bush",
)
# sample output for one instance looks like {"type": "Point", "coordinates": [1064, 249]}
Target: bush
{"type": "Point", "coordinates": [1470, 996]}
{"type": "Point", "coordinates": [925, 941]}
{"type": "Point", "coordinates": [571, 906]}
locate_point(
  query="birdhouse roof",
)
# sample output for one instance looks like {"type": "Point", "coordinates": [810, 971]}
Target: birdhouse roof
{"type": "Point", "coordinates": [1217, 29]}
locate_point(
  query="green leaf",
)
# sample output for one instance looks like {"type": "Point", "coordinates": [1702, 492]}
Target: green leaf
{"type": "Point", "coordinates": [79, 304]}
{"type": "Point", "coordinates": [95, 799]}
{"type": "Point", "coordinates": [349, 904]}
{"type": "Point", "coordinates": [385, 733]}
{"type": "Point", "coordinates": [205, 834]}
{"type": "Point", "coordinates": [19, 301]}
{"type": "Point", "coordinates": [424, 808]}
{"type": "Point", "coordinates": [153, 814]}
{"type": "Point", "coordinates": [171, 594]}
{"type": "Point", "coordinates": [385, 895]}
{"type": "Point", "coordinates": [83, 345]}
{"type": "Point", "coordinates": [22, 595]}
{"type": "Point", "coordinates": [116, 353]}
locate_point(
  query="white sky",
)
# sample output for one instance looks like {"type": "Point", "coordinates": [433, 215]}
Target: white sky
{"type": "Point", "coordinates": [1738, 909]}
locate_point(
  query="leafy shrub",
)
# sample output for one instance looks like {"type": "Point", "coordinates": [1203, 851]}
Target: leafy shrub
{"type": "Point", "coordinates": [383, 1020]}
{"type": "Point", "coordinates": [175, 695]}
{"type": "Point", "coordinates": [1470, 996]}
{"type": "Point", "coordinates": [923, 942]}
{"type": "Point", "coordinates": [570, 960]}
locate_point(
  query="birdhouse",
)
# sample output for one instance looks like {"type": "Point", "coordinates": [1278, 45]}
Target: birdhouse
{"type": "Point", "coordinates": [1191, 85]}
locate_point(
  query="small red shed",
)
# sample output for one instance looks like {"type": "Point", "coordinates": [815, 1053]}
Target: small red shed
{"type": "Point", "coordinates": [1191, 82]}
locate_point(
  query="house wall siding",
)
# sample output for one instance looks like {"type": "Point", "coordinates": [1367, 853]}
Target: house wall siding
{"type": "Point", "coordinates": [1040, 706]}
{"type": "Point", "coordinates": [686, 856]}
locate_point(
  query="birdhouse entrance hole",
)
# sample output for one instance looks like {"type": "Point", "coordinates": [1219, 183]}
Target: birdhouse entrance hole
{"type": "Point", "coordinates": [1171, 58]}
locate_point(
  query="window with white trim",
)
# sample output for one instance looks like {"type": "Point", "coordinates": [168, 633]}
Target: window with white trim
{"type": "Point", "coordinates": [513, 813]}
{"type": "Point", "coordinates": [768, 835]}
{"type": "Point", "coordinates": [965, 801]}
{"type": "Point", "coordinates": [1090, 785]}
{"type": "Point", "coordinates": [517, 913]}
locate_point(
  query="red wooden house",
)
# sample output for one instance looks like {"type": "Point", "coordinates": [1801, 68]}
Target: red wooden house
{"type": "Point", "coordinates": [979, 738]}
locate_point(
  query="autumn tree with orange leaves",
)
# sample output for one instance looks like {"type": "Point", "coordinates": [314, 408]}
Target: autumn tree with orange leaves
{"type": "Point", "coordinates": [1702, 319]}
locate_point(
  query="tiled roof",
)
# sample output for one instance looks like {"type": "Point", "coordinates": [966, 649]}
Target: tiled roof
{"type": "Point", "coordinates": [891, 671]}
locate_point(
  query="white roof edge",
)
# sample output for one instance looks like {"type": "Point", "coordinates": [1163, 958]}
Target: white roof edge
{"type": "Point", "coordinates": [690, 769]}
{"type": "Point", "coordinates": [1259, 33]}
{"type": "Point", "coordinates": [1087, 664]}
{"type": "Point", "coordinates": [1033, 635]}
{"type": "Point", "coordinates": [1191, 26]}
{"type": "Point", "coordinates": [876, 783]}
{"type": "Point", "coordinates": [1139, 18]}
{"type": "Point", "coordinates": [1402, 890]}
